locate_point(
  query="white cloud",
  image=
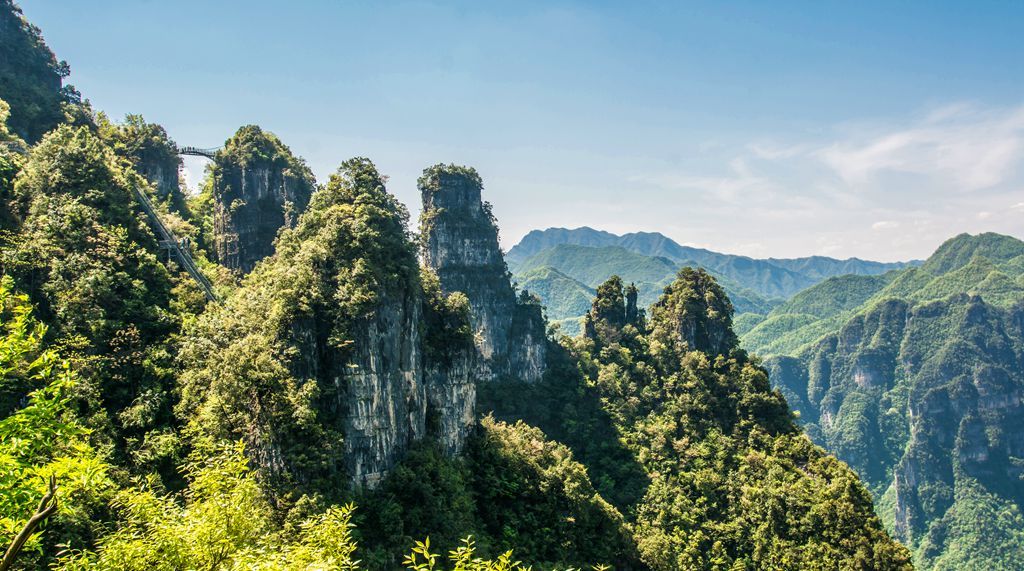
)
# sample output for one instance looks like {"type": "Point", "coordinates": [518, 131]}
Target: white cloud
{"type": "Point", "coordinates": [913, 182]}
{"type": "Point", "coordinates": [734, 187]}
{"type": "Point", "coordinates": [972, 148]}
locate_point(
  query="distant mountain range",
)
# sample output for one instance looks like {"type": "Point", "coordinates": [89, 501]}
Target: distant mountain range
{"type": "Point", "coordinates": [563, 266]}
{"type": "Point", "coordinates": [915, 378]}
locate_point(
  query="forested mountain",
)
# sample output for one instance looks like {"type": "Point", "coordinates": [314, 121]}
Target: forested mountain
{"type": "Point", "coordinates": [344, 388]}
{"type": "Point", "coordinates": [915, 379]}
{"type": "Point", "coordinates": [650, 261]}
{"type": "Point", "coordinates": [31, 78]}
{"type": "Point", "coordinates": [771, 278]}
{"type": "Point", "coordinates": [558, 274]}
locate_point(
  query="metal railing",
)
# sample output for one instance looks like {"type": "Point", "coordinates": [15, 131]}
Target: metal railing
{"type": "Point", "coordinates": [197, 152]}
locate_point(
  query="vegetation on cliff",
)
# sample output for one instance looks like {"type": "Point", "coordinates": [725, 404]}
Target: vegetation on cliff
{"type": "Point", "coordinates": [30, 76]}
{"type": "Point", "coordinates": [720, 447]}
{"type": "Point", "coordinates": [326, 415]}
{"type": "Point", "coordinates": [913, 379]}
{"type": "Point", "coordinates": [257, 186]}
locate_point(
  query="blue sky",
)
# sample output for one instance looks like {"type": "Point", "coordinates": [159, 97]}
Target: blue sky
{"type": "Point", "coordinates": [870, 129]}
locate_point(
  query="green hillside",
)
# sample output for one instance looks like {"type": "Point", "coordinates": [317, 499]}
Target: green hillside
{"type": "Point", "coordinates": [565, 299]}
{"type": "Point", "coordinates": [564, 276]}
{"type": "Point", "coordinates": [988, 265]}
{"type": "Point", "coordinates": [913, 378]}
{"type": "Point", "coordinates": [770, 278]}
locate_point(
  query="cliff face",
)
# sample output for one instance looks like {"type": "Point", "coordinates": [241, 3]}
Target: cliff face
{"type": "Point", "coordinates": [338, 353]}
{"type": "Point", "coordinates": [923, 401]}
{"type": "Point", "coordinates": [390, 392]}
{"type": "Point", "coordinates": [259, 187]}
{"type": "Point", "coordinates": [460, 243]}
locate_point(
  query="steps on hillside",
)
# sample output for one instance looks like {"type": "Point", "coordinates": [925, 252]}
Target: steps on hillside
{"type": "Point", "coordinates": [173, 245]}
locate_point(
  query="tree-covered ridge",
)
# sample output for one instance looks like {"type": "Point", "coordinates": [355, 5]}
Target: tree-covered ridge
{"type": "Point", "coordinates": [151, 153]}
{"type": "Point", "coordinates": [720, 448]}
{"type": "Point", "coordinates": [542, 274]}
{"type": "Point", "coordinates": [88, 261]}
{"type": "Point", "coordinates": [30, 76]}
{"type": "Point", "coordinates": [989, 265]}
{"type": "Point", "coordinates": [769, 278]}
{"type": "Point", "coordinates": [917, 388]}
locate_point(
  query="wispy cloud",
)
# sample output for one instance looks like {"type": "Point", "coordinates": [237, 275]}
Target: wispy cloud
{"type": "Point", "coordinates": [912, 182]}
{"type": "Point", "coordinates": [734, 187]}
{"type": "Point", "coordinates": [971, 147]}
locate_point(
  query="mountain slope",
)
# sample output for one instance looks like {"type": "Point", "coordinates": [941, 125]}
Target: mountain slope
{"type": "Point", "coordinates": [589, 266]}
{"type": "Point", "coordinates": [30, 76]}
{"type": "Point", "coordinates": [727, 481]}
{"type": "Point", "coordinates": [771, 278]}
{"type": "Point", "coordinates": [919, 388]}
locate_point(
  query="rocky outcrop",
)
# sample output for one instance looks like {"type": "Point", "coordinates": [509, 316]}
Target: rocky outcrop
{"type": "Point", "coordinates": [153, 155]}
{"type": "Point", "coordinates": [259, 187]}
{"type": "Point", "coordinates": [162, 174]}
{"type": "Point", "coordinates": [918, 398]}
{"type": "Point", "coordinates": [460, 243]}
{"type": "Point", "coordinates": [393, 392]}
{"type": "Point", "coordinates": [339, 352]}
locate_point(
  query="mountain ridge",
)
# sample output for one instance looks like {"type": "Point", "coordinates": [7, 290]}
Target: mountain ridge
{"type": "Point", "coordinates": [914, 379]}
{"type": "Point", "coordinates": [771, 277]}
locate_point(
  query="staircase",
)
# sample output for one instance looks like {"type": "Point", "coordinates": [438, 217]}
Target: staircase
{"type": "Point", "coordinates": [170, 243]}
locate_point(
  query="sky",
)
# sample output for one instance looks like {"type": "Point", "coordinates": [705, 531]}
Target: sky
{"type": "Point", "coordinates": [783, 129]}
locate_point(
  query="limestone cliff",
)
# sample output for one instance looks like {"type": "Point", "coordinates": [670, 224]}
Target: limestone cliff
{"type": "Point", "coordinates": [259, 187]}
{"type": "Point", "coordinates": [923, 401]}
{"type": "Point", "coordinates": [152, 153]}
{"type": "Point", "coordinates": [459, 241]}
{"type": "Point", "coordinates": [338, 353]}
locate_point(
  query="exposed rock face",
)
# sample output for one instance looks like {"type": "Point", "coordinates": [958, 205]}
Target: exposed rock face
{"type": "Point", "coordinates": [392, 392]}
{"type": "Point", "coordinates": [460, 243]}
{"type": "Point", "coordinates": [259, 187]}
{"type": "Point", "coordinates": [337, 353]}
{"type": "Point", "coordinates": [163, 175]}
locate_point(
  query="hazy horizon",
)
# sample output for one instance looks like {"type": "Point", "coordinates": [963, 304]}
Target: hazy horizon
{"type": "Point", "coordinates": [870, 131]}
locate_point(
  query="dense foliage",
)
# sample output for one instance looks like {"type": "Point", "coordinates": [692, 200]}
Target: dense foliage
{"type": "Point", "coordinates": [88, 261]}
{"type": "Point", "coordinates": [41, 436]}
{"type": "Point", "coordinates": [30, 76]}
{"type": "Point", "coordinates": [187, 435]}
{"type": "Point", "coordinates": [150, 152]}
{"type": "Point", "coordinates": [721, 448]}
{"type": "Point", "coordinates": [513, 488]}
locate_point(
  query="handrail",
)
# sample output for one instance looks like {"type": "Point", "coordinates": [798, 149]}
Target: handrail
{"type": "Point", "coordinates": [197, 152]}
{"type": "Point", "coordinates": [169, 241]}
